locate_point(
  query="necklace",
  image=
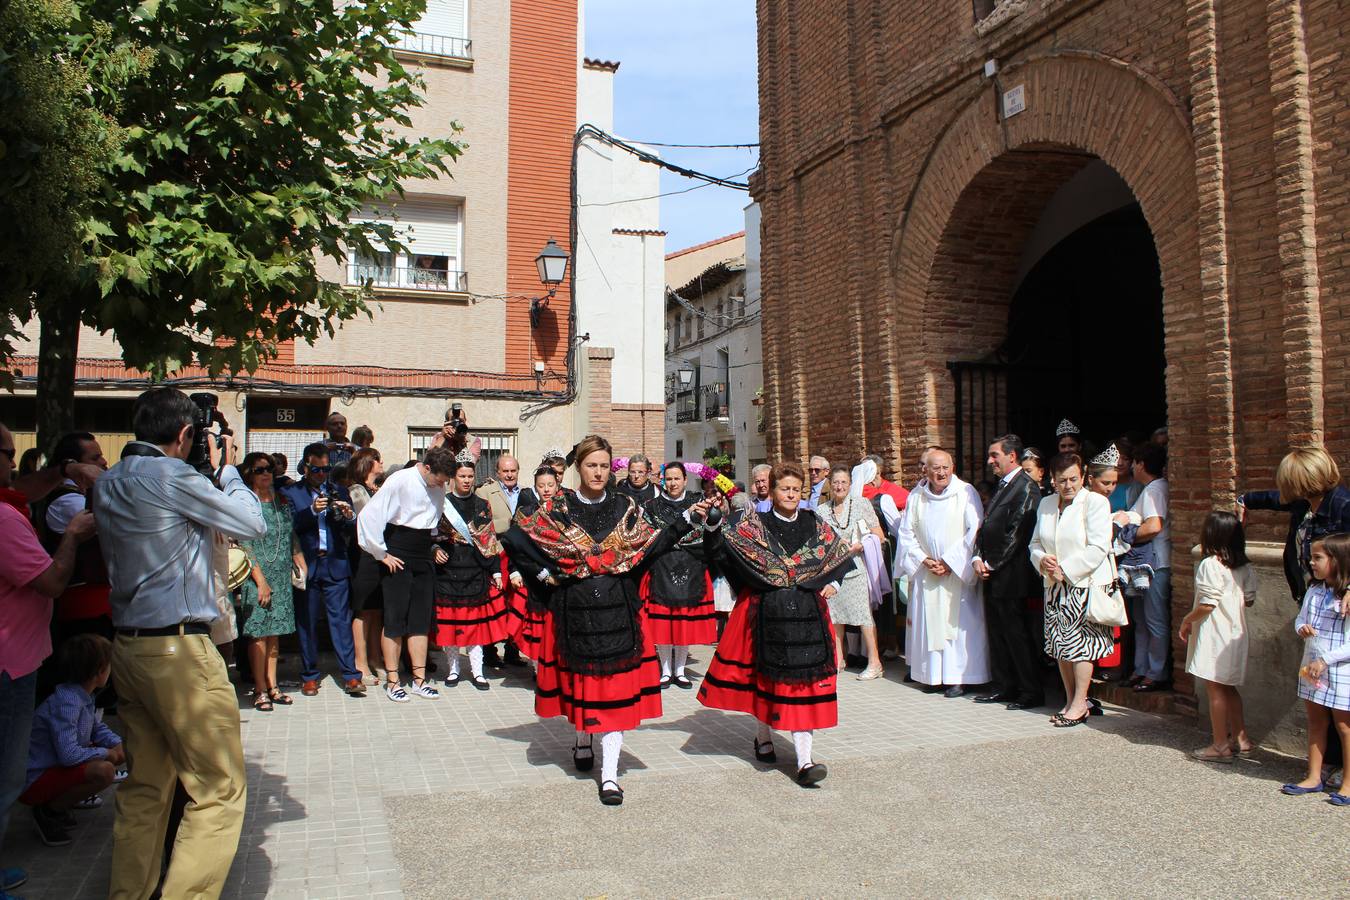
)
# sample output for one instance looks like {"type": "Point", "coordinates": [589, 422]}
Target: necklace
{"type": "Point", "coordinates": [272, 545]}
{"type": "Point", "coordinates": [833, 518]}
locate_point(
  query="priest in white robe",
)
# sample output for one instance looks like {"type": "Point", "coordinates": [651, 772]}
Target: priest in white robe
{"type": "Point", "coordinates": [946, 642]}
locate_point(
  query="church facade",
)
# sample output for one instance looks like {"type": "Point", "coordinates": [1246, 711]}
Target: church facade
{"type": "Point", "coordinates": [988, 216]}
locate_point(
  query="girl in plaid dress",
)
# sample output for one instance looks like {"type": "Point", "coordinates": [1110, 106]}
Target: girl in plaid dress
{"type": "Point", "coordinates": [1324, 680]}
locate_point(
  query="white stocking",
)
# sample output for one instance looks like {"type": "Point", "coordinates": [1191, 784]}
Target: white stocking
{"type": "Point", "coordinates": [663, 654]}
{"type": "Point", "coordinates": [451, 661]}
{"type": "Point", "coordinates": [802, 741]}
{"type": "Point", "coordinates": [678, 657]}
{"type": "Point", "coordinates": [476, 660]}
{"type": "Point", "coordinates": [611, 744]}
{"type": "Point", "coordinates": [764, 735]}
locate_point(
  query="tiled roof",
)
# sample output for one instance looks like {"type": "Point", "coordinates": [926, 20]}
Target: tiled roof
{"type": "Point", "coordinates": [706, 244]}
{"type": "Point", "coordinates": [607, 65]}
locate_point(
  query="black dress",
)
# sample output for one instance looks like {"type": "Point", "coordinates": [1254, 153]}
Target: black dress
{"type": "Point", "coordinates": [470, 610]}
{"type": "Point", "coordinates": [678, 586]}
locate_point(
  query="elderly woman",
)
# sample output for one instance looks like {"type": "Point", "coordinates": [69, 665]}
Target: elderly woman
{"type": "Point", "coordinates": [851, 518]}
{"type": "Point", "coordinates": [1071, 548]}
{"type": "Point", "coordinates": [266, 606]}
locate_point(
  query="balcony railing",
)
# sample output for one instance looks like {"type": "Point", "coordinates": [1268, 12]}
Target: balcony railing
{"type": "Point", "coordinates": [410, 278]}
{"type": "Point", "coordinates": [686, 407]}
{"type": "Point", "coordinates": [435, 45]}
{"type": "Point", "coordinates": [715, 401]}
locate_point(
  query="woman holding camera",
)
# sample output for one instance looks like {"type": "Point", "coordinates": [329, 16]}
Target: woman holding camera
{"type": "Point", "coordinates": [266, 605]}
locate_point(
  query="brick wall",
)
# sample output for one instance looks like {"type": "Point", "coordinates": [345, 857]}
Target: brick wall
{"type": "Point", "coordinates": [630, 427]}
{"type": "Point", "coordinates": [896, 201]}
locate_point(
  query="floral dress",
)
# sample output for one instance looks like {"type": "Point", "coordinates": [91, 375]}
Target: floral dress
{"type": "Point", "coordinates": [272, 553]}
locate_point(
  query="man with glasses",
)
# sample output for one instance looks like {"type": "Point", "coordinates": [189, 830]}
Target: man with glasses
{"type": "Point", "coordinates": [819, 473]}
{"type": "Point", "coordinates": [324, 519]}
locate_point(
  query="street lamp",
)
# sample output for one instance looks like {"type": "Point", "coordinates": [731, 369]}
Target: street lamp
{"type": "Point", "coordinates": [552, 265]}
{"type": "Point", "coordinates": [686, 376]}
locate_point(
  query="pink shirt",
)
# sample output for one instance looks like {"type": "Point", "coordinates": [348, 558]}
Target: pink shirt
{"type": "Point", "coordinates": [25, 615]}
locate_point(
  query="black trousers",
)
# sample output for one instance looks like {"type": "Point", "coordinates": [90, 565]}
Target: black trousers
{"type": "Point", "coordinates": [1013, 647]}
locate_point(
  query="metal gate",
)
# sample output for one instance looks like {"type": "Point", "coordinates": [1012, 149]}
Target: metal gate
{"type": "Point", "coordinates": [995, 398]}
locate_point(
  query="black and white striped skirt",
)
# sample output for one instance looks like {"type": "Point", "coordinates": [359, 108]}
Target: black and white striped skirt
{"type": "Point", "coordinates": [1069, 636]}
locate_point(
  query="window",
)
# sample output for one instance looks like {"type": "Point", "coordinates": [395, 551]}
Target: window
{"type": "Point", "coordinates": [495, 445]}
{"type": "Point", "coordinates": [443, 30]}
{"type": "Point", "coordinates": [679, 449]}
{"type": "Point", "coordinates": [432, 231]}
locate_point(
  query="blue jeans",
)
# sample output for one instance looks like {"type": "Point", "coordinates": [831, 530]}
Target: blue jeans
{"type": "Point", "coordinates": [332, 600]}
{"type": "Point", "coordinates": [1152, 614]}
{"type": "Point", "coordinates": [17, 699]}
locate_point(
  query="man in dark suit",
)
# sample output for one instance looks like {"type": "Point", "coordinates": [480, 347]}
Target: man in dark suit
{"type": "Point", "coordinates": [1003, 564]}
{"type": "Point", "coordinates": [324, 519]}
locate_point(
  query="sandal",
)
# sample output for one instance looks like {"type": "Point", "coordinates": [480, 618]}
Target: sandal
{"type": "Point", "coordinates": [262, 703]}
{"type": "Point", "coordinates": [1063, 721]}
{"type": "Point", "coordinates": [278, 697]}
{"type": "Point", "coordinates": [1211, 754]}
{"type": "Point", "coordinates": [870, 673]}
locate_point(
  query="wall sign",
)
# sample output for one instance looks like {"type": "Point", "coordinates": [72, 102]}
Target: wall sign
{"type": "Point", "coordinates": [1014, 101]}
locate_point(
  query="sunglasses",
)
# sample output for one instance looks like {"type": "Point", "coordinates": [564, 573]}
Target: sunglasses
{"type": "Point", "coordinates": [261, 470]}
{"type": "Point", "coordinates": [815, 470]}
{"type": "Point", "coordinates": [320, 470]}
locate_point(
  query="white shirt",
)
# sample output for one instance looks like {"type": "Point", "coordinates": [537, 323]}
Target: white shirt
{"type": "Point", "coordinates": [1153, 502]}
{"type": "Point", "coordinates": [405, 499]}
{"type": "Point", "coordinates": [63, 509]}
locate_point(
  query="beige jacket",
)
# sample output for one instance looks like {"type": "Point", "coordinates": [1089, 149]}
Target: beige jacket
{"type": "Point", "coordinates": [501, 510]}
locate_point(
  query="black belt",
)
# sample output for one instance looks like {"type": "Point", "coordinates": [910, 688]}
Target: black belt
{"type": "Point", "coordinates": [167, 631]}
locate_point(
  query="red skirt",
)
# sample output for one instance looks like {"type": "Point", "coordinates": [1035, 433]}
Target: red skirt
{"type": "Point", "coordinates": [596, 703]}
{"type": "Point", "coordinates": [525, 624]}
{"type": "Point", "coordinates": [467, 626]}
{"type": "Point", "coordinates": [683, 626]}
{"type": "Point", "coordinates": [733, 684]}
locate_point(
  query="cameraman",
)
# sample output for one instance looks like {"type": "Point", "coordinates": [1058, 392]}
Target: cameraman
{"type": "Point", "coordinates": [158, 520]}
{"type": "Point", "coordinates": [324, 523]}
{"type": "Point", "coordinates": [454, 434]}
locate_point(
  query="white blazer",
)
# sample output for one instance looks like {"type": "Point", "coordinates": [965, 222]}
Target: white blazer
{"type": "Point", "coordinates": [1080, 538]}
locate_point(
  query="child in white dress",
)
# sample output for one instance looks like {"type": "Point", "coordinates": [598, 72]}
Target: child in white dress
{"type": "Point", "coordinates": [1216, 632]}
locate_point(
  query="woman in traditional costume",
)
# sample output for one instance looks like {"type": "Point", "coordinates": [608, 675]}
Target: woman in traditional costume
{"type": "Point", "coordinates": [776, 659]}
{"type": "Point", "coordinates": [677, 588]}
{"type": "Point", "coordinates": [470, 573]}
{"type": "Point", "coordinates": [528, 603]}
{"type": "Point", "coordinates": [597, 665]}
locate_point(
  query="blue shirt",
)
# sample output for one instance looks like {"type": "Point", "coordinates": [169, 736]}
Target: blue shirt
{"type": "Point", "coordinates": [67, 733]}
{"type": "Point", "coordinates": [157, 523]}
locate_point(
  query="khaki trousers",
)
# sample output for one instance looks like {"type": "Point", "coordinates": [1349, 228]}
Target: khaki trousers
{"type": "Point", "coordinates": [182, 723]}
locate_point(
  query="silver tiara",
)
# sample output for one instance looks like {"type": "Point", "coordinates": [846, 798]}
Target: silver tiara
{"type": "Point", "coordinates": [1066, 427]}
{"type": "Point", "coordinates": [555, 453]}
{"type": "Point", "coordinates": [464, 456]}
{"type": "Point", "coordinates": [1108, 457]}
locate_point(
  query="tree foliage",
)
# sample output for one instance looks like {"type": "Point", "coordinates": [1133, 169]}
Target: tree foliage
{"type": "Point", "coordinates": [55, 146]}
{"type": "Point", "coordinates": [258, 132]}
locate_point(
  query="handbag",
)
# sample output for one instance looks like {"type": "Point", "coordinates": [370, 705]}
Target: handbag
{"type": "Point", "coordinates": [297, 576]}
{"type": "Point", "coordinates": [1105, 604]}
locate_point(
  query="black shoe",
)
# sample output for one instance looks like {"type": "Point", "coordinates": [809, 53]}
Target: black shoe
{"type": "Point", "coordinates": [68, 819]}
{"type": "Point", "coordinates": [681, 681]}
{"type": "Point", "coordinates": [665, 682]}
{"type": "Point", "coordinates": [931, 688]}
{"type": "Point", "coordinates": [49, 827]}
{"type": "Point", "coordinates": [1094, 707]}
{"type": "Point", "coordinates": [480, 682]}
{"type": "Point", "coordinates": [995, 697]}
{"type": "Point", "coordinates": [853, 661]}
{"type": "Point", "coordinates": [583, 763]}
{"type": "Point", "coordinates": [611, 796]}
{"type": "Point", "coordinates": [954, 691]}
{"type": "Point", "coordinates": [452, 680]}
{"type": "Point", "coordinates": [812, 774]}
{"type": "Point", "coordinates": [765, 756]}
{"type": "Point", "coordinates": [513, 657]}
{"type": "Point", "coordinates": [491, 657]}
{"type": "Point", "coordinates": [1026, 703]}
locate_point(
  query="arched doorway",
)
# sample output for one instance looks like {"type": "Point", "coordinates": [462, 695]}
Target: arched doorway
{"type": "Point", "coordinates": [1075, 277]}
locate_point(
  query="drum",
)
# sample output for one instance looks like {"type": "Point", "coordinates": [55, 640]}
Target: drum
{"type": "Point", "coordinates": [239, 568]}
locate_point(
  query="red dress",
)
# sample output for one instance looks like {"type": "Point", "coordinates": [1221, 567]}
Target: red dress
{"type": "Point", "coordinates": [677, 590]}
{"type": "Point", "coordinates": [779, 567]}
{"type": "Point", "coordinates": [527, 621]}
{"type": "Point", "coordinates": [470, 610]}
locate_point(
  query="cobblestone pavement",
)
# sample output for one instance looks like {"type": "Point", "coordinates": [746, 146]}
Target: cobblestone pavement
{"type": "Point", "coordinates": [325, 773]}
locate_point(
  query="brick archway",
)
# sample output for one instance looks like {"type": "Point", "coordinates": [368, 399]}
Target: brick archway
{"type": "Point", "coordinates": [983, 186]}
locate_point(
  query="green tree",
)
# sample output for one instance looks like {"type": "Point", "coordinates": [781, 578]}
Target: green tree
{"type": "Point", "coordinates": [260, 129]}
{"type": "Point", "coordinates": [54, 146]}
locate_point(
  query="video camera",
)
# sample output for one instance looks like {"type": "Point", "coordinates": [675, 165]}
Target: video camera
{"type": "Point", "coordinates": [206, 414]}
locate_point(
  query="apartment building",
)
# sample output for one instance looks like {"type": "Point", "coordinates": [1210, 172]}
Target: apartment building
{"type": "Point", "coordinates": [462, 315]}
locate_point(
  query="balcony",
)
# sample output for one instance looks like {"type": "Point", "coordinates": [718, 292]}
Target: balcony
{"type": "Point", "coordinates": [411, 279]}
{"type": "Point", "coordinates": [686, 407]}
{"type": "Point", "coordinates": [453, 50]}
{"type": "Point", "coordinates": [716, 401]}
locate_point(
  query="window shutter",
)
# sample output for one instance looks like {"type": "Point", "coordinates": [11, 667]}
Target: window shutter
{"type": "Point", "coordinates": [444, 18]}
{"type": "Point", "coordinates": [432, 228]}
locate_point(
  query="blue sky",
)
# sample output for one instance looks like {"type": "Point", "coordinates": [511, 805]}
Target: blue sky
{"type": "Point", "coordinates": [687, 76]}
